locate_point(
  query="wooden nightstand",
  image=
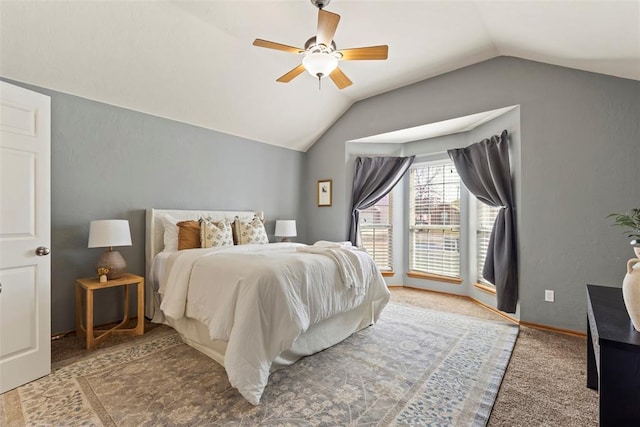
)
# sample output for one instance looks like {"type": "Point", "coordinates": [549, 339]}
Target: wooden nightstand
{"type": "Point", "coordinates": [89, 285]}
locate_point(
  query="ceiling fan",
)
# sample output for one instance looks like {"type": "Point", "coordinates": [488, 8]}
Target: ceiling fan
{"type": "Point", "coordinates": [320, 55]}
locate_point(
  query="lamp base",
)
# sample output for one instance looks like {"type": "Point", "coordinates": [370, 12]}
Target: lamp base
{"type": "Point", "coordinates": [113, 261]}
{"type": "Point", "coordinates": [285, 239]}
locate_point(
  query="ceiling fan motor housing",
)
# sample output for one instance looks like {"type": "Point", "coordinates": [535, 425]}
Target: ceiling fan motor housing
{"type": "Point", "coordinates": [312, 45]}
{"type": "Point", "coordinates": [320, 4]}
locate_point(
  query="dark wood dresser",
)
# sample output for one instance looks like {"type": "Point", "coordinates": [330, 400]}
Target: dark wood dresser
{"type": "Point", "coordinates": [613, 357]}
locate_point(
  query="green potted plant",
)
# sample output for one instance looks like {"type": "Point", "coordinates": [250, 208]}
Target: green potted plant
{"type": "Point", "coordinates": [630, 220]}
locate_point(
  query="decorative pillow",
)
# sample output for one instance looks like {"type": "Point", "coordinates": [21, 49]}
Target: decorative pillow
{"type": "Point", "coordinates": [170, 232]}
{"type": "Point", "coordinates": [251, 232]}
{"type": "Point", "coordinates": [188, 234]}
{"type": "Point", "coordinates": [215, 233]}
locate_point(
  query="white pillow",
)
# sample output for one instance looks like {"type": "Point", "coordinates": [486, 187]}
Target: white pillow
{"type": "Point", "coordinates": [213, 234]}
{"type": "Point", "coordinates": [170, 232]}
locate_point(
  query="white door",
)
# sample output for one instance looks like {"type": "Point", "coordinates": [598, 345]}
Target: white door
{"type": "Point", "coordinates": [25, 236]}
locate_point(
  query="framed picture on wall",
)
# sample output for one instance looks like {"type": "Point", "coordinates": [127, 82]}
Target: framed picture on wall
{"type": "Point", "coordinates": [325, 192]}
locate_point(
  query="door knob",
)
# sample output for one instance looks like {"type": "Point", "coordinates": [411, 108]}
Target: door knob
{"type": "Point", "coordinates": [42, 251]}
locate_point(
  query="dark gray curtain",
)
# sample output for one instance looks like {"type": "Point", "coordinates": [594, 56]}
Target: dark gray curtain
{"type": "Point", "coordinates": [485, 171]}
{"type": "Point", "coordinates": [374, 177]}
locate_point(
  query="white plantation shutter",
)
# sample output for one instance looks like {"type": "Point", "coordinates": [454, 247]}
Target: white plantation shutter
{"type": "Point", "coordinates": [434, 218]}
{"type": "Point", "coordinates": [486, 217]}
{"type": "Point", "coordinates": [376, 232]}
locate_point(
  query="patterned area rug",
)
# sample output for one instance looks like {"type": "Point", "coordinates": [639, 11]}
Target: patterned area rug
{"type": "Point", "coordinates": [414, 367]}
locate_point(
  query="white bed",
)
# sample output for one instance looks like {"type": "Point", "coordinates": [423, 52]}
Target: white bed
{"type": "Point", "coordinates": [297, 300]}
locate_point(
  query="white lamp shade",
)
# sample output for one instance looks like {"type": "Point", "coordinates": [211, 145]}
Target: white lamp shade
{"type": "Point", "coordinates": [319, 63]}
{"type": "Point", "coordinates": [286, 228]}
{"type": "Point", "coordinates": [109, 232]}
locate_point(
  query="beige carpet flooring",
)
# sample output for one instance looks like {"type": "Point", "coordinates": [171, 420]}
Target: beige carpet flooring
{"type": "Point", "coordinates": [544, 384]}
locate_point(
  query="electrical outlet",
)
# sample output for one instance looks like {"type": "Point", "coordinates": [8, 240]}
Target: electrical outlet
{"type": "Point", "coordinates": [549, 295]}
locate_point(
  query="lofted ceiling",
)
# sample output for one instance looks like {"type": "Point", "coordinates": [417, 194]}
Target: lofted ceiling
{"type": "Point", "coordinates": [193, 61]}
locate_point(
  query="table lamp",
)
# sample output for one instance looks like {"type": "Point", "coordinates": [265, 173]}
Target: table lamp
{"type": "Point", "coordinates": [285, 229]}
{"type": "Point", "coordinates": [107, 234]}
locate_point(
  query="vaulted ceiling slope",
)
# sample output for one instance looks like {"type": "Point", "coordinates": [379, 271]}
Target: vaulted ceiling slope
{"type": "Point", "coordinates": [193, 61]}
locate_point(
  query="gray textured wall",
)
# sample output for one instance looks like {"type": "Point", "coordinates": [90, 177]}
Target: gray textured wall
{"type": "Point", "coordinates": [109, 162]}
{"type": "Point", "coordinates": [580, 147]}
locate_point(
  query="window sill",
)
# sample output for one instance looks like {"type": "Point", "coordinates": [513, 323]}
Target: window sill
{"type": "Point", "coordinates": [387, 273]}
{"type": "Point", "coordinates": [485, 288]}
{"type": "Point", "coordinates": [435, 277]}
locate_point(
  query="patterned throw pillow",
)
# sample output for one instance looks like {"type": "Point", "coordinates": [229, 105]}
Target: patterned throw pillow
{"type": "Point", "coordinates": [251, 232]}
{"type": "Point", "coordinates": [214, 233]}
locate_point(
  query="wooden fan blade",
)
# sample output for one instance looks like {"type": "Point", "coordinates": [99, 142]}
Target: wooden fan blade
{"type": "Point", "coordinates": [370, 52]}
{"type": "Point", "coordinates": [327, 25]}
{"type": "Point", "coordinates": [286, 78]}
{"type": "Point", "coordinates": [340, 79]}
{"type": "Point", "coordinates": [276, 46]}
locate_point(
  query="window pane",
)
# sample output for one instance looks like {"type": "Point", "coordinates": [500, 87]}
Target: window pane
{"type": "Point", "coordinates": [376, 232]}
{"type": "Point", "coordinates": [435, 251]}
{"type": "Point", "coordinates": [486, 218]}
{"type": "Point", "coordinates": [434, 223]}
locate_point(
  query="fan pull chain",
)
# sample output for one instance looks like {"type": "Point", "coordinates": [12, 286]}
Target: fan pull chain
{"type": "Point", "coordinates": [319, 82]}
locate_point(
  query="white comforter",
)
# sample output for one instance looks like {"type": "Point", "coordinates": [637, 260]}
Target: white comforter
{"type": "Point", "coordinates": [260, 298]}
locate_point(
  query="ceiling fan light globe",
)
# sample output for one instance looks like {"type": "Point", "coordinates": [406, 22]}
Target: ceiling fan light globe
{"type": "Point", "coordinates": [319, 64]}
